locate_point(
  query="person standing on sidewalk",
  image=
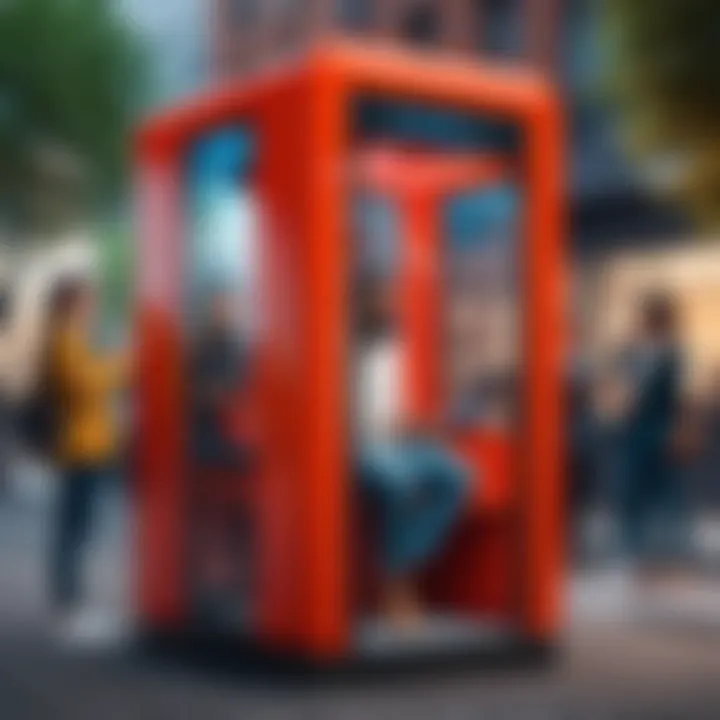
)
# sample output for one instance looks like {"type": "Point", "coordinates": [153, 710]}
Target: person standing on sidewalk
{"type": "Point", "coordinates": [652, 492]}
{"type": "Point", "coordinates": [80, 388]}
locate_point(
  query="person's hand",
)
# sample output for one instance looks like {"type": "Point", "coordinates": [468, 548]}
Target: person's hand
{"type": "Point", "coordinates": [126, 360]}
{"type": "Point", "coordinates": [686, 442]}
{"type": "Point", "coordinates": [419, 428]}
{"type": "Point", "coordinates": [612, 401]}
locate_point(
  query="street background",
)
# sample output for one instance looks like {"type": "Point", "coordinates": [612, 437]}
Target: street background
{"type": "Point", "coordinates": [639, 84]}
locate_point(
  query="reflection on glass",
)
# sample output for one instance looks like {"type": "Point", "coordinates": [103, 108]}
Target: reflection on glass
{"type": "Point", "coordinates": [222, 252]}
{"type": "Point", "coordinates": [221, 315]}
{"type": "Point", "coordinates": [481, 312]}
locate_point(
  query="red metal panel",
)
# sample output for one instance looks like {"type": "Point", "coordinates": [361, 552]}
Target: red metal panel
{"type": "Point", "coordinates": [282, 362]}
{"type": "Point", "coordinates": [305, 505]}
{"type": "Point", "coordinates": [545, 298]}
{"type": "Point", "coordinates": [159, 467]}
{"type": "Point", "coordinates": [325, 512]}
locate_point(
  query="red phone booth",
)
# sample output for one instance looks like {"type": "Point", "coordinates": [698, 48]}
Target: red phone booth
{"type": "Point", "coordinates": [450, 173]}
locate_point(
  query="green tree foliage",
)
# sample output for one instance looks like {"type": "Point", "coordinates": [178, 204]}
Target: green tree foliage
{"type": "Point", "coordinates": [70, 80]}
{"type": "Point", "coordinates": [664, 73]}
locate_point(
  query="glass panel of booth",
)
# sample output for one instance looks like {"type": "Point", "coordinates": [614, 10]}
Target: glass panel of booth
{"type": "Point", "coordinates": [434, 230]}
{"type": "Point", "coordinates": [221, 317]}
{"type": "Point", "coordinates": [478, 232]}
{"type": "Point", "coordinates": [222, 242]}
{"type": "Point", "coordinates": [376, 247]}
{"type": "Point", "coordinates": [481, 305]}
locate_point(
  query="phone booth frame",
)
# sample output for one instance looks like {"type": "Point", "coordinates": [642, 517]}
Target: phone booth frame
{"type": "Point", "coordinates": [299, 114]}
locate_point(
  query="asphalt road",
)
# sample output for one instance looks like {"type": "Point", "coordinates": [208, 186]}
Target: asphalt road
{"type": "Point", "coordinates": [616, 661]}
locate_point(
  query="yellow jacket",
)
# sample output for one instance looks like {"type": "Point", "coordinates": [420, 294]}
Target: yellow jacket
{"type": "Point", "coordinates": [82, 384]}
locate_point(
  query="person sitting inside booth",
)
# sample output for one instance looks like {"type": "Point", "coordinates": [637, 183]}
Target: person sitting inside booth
{"type": "Point", "coordinates": [407, 474]}
{"type": "Point", "coordinates": [218, 375]}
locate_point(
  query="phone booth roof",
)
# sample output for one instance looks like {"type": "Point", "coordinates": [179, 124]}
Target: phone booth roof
{"type": "Point", "coordinates": [503, 89]}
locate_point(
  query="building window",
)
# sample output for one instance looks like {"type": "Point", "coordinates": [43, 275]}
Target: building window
{"type": "Point", "coordinates": [421, 25]}
{"type": "Point", "coordinates": [244, 12]}
{"type": "Point", "coordinates": [357, 14]}
{"type": "Point", "coordinates": [499, 27]}
{"type": "Point", "coordinates": [285, 7]}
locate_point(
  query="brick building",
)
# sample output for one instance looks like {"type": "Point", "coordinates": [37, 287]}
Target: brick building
{"type": "Point", "coordinates": [246, 33]}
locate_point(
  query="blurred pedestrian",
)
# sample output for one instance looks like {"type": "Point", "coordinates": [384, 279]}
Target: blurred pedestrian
{"type": "Point", "coordinates": [79, 384]}
{"type": "Point", "coordinates": [650, 492]}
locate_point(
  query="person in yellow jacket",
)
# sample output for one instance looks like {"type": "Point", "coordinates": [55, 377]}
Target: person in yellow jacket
{"type": "Point", "coordinates": [80, 385]}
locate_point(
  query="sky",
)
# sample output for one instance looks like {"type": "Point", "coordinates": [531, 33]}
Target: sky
{"type": "Point", "coordinates": [176, 33]}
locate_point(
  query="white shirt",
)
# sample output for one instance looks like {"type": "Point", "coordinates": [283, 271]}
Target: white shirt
{"type": "Point", "coordinates": [379, 391]}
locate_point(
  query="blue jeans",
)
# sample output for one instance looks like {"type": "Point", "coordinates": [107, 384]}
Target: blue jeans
{"type": "Point", "coordinates": [77, 493]}
{"type": "Point", "coordinates": [419, 490]}
{"type": "Point", "coordinates": [652, 506]}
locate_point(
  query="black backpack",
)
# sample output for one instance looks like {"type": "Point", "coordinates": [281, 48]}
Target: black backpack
{"type": "Point", "coordinates": [38, 417]}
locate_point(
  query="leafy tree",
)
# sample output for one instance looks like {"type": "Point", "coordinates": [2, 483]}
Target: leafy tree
{"type": "Point", "coordinates": [70, 84]}
{"type": "Point", "coordinates": [664, 73]}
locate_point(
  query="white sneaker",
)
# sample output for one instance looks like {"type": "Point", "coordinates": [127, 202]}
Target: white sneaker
{"type": "Point", "coordinates": [90, 628]}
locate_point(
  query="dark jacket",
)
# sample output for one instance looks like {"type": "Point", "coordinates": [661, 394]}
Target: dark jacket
{"type": "Point", "coordinates": [218, 374]}
{"type": "Point", "coordinates": [654, 413]}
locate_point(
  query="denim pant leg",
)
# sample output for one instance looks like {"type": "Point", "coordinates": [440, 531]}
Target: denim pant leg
{"type": "Point", "coordinates": [440, 489]}
{"type": "Point", "coordinates": [668, 516]}
{"type": "Point", "coordinates": [644, 496]}
{"type": "Point", "coordinates": [676, 514]}
{"type": "Point", "coordinates": [387, 483]}
{"type": "Point", "coordinates": [76, 494]}
{"type": "Point", "coordinates": [419, 490]}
